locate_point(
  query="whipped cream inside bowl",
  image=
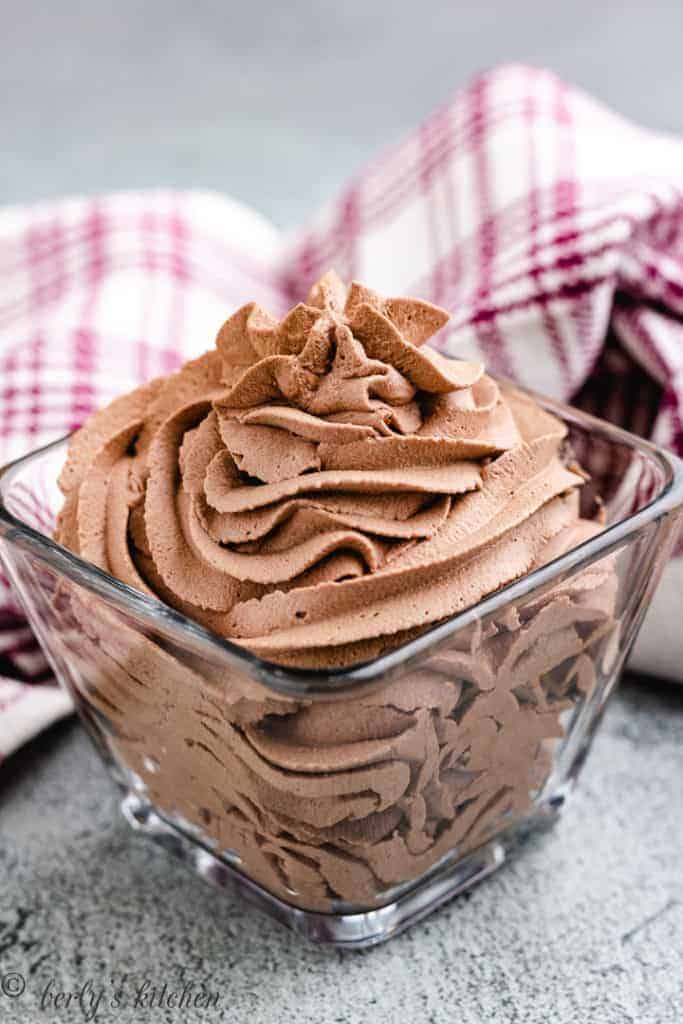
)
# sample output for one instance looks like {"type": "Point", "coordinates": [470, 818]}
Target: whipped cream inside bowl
{"type": "Point", "coordinates": [319, 490]}
{"type": "Point", "coordinates": [322, 488]}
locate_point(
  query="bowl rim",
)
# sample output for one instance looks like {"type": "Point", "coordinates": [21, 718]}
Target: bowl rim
{"type": "Point", "coordinates": [308, 683]}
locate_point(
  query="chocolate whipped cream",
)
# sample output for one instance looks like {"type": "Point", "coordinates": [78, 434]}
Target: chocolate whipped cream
{"type": "Point", "coordinates": [319, 490]}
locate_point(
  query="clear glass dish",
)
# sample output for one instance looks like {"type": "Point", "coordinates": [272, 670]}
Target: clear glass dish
{"type": "Point", "coordinates": [485, 719]}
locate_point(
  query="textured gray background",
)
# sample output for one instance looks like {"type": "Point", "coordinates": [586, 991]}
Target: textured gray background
{"type": "Point", "coordinates": [277, 104]}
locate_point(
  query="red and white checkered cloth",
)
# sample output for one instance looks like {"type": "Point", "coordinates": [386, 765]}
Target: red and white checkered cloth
{"type": "Point", "coordinates": [551, 227]}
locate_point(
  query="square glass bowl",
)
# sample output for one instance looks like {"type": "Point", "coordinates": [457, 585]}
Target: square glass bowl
{"type": "Point", "coordinates": [350, 803]}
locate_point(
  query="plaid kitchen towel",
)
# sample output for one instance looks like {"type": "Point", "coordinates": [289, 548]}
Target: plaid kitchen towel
{"type": "Point", "coordinates": [549, 226]}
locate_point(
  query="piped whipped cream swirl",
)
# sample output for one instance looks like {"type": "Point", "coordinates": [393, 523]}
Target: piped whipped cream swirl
{"type": "Point", "coordinates": [323, 487]}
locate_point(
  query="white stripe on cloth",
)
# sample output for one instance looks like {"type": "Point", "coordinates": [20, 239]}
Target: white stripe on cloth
{"type": "Point", "coordinates": [27, 710]}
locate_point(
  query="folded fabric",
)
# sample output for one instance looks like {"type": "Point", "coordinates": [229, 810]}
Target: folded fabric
{"type": "Point", "coordinates": [549, 226]}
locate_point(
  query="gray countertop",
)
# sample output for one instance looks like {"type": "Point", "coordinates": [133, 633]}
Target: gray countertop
{"type": "Point", "coordinates": [583, 926]}
{"type": "Point", "coordinates": [277, 104]}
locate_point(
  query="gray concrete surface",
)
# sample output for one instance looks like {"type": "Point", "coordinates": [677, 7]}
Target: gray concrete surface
{"type": "Point", "coordinates": [585, 926]}
{"type": "Point", "coordinates": [277, 104]}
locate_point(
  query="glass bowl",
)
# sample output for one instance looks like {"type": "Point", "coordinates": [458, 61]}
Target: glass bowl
{"type": "Point", "coordinates": [398, 782]}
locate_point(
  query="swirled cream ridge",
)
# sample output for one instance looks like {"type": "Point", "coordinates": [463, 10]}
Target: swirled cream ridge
{"type": "Point", "coordinates": [318, 490]}
{"type": "Point", "coordinates": [321, 488]}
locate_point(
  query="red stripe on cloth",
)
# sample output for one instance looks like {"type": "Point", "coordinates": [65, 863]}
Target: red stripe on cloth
{"type": "Point", "coordinates": [569, 290]}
